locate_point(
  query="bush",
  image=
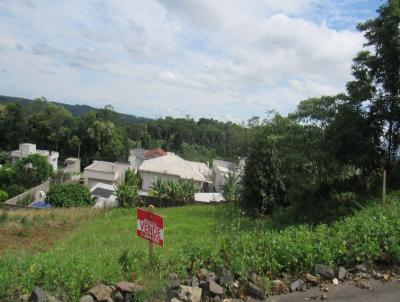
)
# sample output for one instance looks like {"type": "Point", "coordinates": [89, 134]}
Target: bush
{"type": "Point", "coordinates": [69, 195]}
{"type": "Point", "coordinates": [15, 190]}
{"type": "Point", "coordinates": [3, 196]}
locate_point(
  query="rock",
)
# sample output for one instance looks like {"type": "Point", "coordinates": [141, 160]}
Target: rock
{"type": "Point", "coordinates": [279, 287]}
{"type": "Point", "coordinates": [174, 280]}
{"type": "Point", "coordinates": [38, 295]}
{"type": "Point", "coordinates": [297, 285]}
{"type": "Point", "coordinates": [311, 278]}
{"type": "Point", "coordinates": [128, 297]}
{"type": "Point", "coordinates": [202, 274]}
{"type": "Point", "coordinates": [216, 289]}
{"type": "Point", "coordinates": [24, 298]}
{"type": "Point", "coordinates": [211, 276]}
{"type": "Point", "coordinates": [335, 281]}
{"type": "Point", "coordinates": [175, 300]}
{"type": "Point", "coordinates": [172, 293]}
{"type": "Point", "coordinates": [341, 274]}
{"type": "Point", "coordinates": [87, 298]}
{"type": "Point", "coordinates": [118, 296]}
{"type": "Point", "coordinates": [225, 276]}
{"type": "Point", "coordinates": [254, 291]}
{"type": "Point", "coordinates": [217, 299]}
{"type": "Point", "coordinates": [361, 268]}
{"type": "Point", "coordinates": [194, 282]}
{"type": "Point", "coordinates": [128, 287]}
{"type": "Point", "coordinates": [324, 271]}
{"type": "Point", "coordinates": [363, 284]}
{"type": "Point", "coordinates": [193, 292]}
{"type": "Point", "coordinates": [101, 292]}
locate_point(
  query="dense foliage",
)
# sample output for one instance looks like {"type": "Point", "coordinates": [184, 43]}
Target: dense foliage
{"type": "Point", "coordinates": [127, 191]}
{"type": "Point", "coordinates": [69, 195]}
{"type": "Point", "coordinates": [172, 193]}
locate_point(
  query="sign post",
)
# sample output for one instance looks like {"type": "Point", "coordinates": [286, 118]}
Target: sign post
{"type": "Point", "coordinates": [150, 226]}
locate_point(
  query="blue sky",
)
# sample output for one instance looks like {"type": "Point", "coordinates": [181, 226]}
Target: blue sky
{"type": "Point", "coordinates": [221, 59]}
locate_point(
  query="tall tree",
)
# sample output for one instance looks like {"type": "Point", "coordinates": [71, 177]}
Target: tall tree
{"type": "Point", "coordinates": [377, 75]}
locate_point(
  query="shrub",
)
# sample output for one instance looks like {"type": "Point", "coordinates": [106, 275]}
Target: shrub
{"type": "Point", "coordinates": [3, 196]}
{"type": "Point", "coordinates": [14, 190]}
{"type": "Point", "coordinates": [69, 195]}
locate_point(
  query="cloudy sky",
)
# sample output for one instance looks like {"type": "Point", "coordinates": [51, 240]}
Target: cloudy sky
{"type": "Point", "coordinates": [221, 59]}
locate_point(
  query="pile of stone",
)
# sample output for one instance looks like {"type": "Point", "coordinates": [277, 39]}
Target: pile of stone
{"type": "Point", "coordinates": [213, 287]}
{"type": "Point", "coordinates": [221, 286]}
{"type": "Point", "coordinates": [122, 292]}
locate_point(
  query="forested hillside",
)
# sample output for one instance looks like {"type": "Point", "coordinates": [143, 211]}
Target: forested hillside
{"type": "Point", "coordinates": [106, 135]}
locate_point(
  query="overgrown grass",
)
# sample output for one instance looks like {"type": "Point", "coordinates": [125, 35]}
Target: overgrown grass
{"type": "Point", "coordinates": [106, 249]}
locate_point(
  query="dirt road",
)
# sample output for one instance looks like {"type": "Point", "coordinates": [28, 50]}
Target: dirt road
{"type": "Point", "coordinates": [348, 292]}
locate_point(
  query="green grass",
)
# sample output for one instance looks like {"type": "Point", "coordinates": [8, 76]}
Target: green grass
{"type": "Point", "coordinates": [105, 248]}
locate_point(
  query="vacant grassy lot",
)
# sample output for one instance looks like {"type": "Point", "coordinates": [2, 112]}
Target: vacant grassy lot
{"type": "Point", "coordinates": [105, 248]}
{"type": "Point", "coordinates": [36, 230]}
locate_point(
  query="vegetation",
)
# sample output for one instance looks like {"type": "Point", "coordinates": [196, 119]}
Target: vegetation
{"type": "Point", "coordinates": [3, 196]}
{"type": "Point", "coordinates": [127, 191]}
{"type": "Point", "coordinates": [217, 236]}
{"type": "Point", "coordinates": [25, 174]}
{"type": "Point", "coordinates": [173, 193]}
{"type": "Point", "coordinates": [32, 170]}
{"type": "Point", "coordinates": [232, 188]}
{"type": "Point", "coordinates": [69, 195]}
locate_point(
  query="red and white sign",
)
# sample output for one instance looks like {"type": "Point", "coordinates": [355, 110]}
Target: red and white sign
{"type": "Point", "coordinates": [150, 226]}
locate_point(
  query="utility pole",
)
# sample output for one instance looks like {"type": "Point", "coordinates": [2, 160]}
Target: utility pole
{"type": "Point", "coordinates": [79, 150]}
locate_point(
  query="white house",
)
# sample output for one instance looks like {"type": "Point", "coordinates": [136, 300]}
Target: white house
{"type": "Point", "coordinates": [104, 196]}
{"type": "Point", "coordinates": [171, 166]}
{"type": "Point", "coordinates": [104, 172]}
{"type": "Point", "coordinates": [28, 149]}
{"type": "Point", "coordinates": [221, 170]}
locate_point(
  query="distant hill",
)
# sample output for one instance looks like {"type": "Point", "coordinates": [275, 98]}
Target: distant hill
{"type": "Point", "coordinates": [74, 109]}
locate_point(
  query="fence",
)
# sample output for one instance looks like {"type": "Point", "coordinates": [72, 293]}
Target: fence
{"type": "Point", "coordinates": [15, 202]}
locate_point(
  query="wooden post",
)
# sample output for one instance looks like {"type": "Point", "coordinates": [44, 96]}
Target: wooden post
{"type": "Point", "coordinates": [151, 210]}
{"type": "Point", "coordinates": [384, 187]}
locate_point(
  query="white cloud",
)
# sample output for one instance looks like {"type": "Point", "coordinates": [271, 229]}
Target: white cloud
{"type": "Point", "coordinates": [227, 59]}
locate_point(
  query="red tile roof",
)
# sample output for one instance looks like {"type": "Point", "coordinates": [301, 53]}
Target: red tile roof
{"type": "Point", "coordinates": [153, 153]}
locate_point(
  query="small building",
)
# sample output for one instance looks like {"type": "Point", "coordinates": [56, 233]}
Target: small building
{"type": "Point", "coordinates": [104, 195]}
{"type": "Point", "coordinates": [220, 171]}
{"type": "Point", "coordinates": [72, 165]}
{"type": "Point", "coordinates": [104, 172]}
{"type": "Point", "coordinates": [173, 167]}
{"type": "Point", "coordinates": [26, 149]}
{"type": "Point", "coordinates": [137, 156]}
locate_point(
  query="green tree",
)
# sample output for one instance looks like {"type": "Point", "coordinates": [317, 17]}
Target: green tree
{"type": "Point", "coordinates": [263, 186]}
{"type": "Point", "coordinates": [376, 87]}
{"type": "Point", "coordinates": [32, 170]}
